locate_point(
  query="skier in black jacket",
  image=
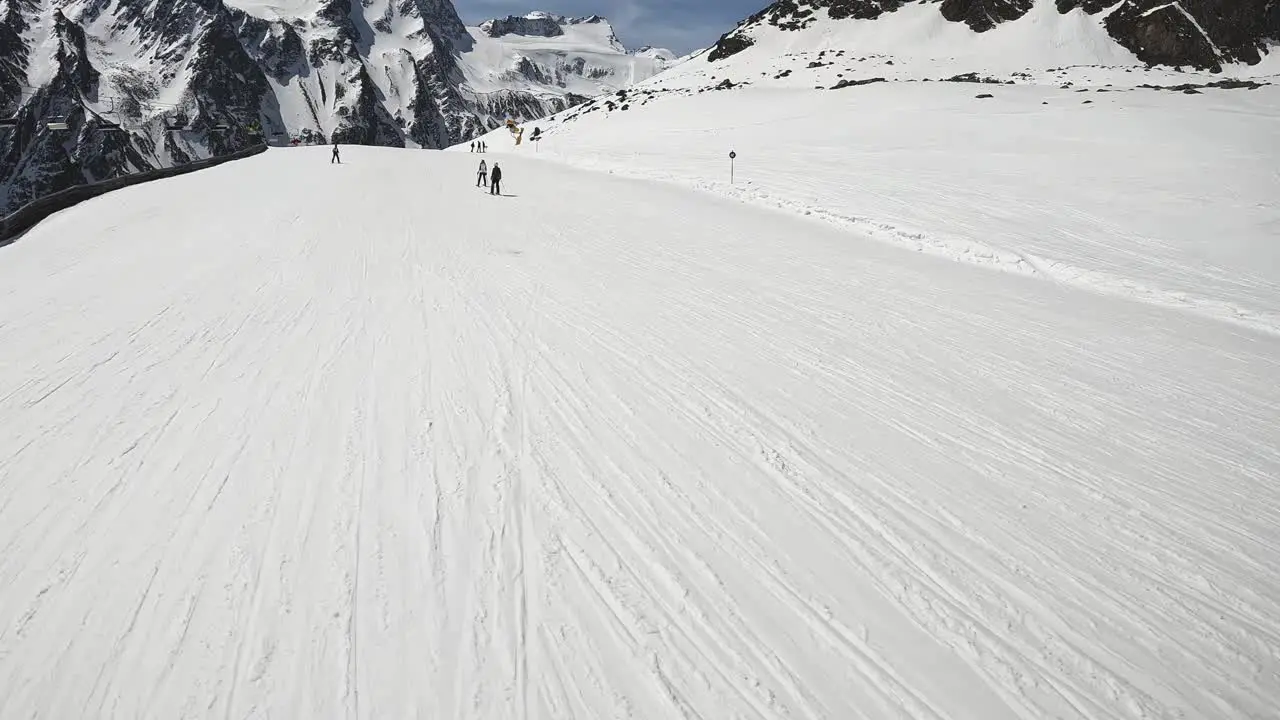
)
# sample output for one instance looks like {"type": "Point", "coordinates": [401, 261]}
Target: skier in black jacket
{"type": "Point", "coordinates": [335, 158]}
{"type": "Point", "coordinates": [495, 180]}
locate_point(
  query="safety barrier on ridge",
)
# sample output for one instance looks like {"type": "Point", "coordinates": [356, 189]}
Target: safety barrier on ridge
{"type": "Point", "coordinates": [27, 216]}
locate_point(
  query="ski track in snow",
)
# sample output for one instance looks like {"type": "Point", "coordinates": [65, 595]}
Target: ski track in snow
{"type": "Point", "coordinates": [366, 442]}
{"type": "Point", "coordinates": [1147, 195]}
{"type": "Point", "coordinates": [962, 249]}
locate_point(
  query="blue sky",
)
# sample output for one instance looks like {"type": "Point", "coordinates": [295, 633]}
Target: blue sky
{"type": "Point", "coordinates": [681, 25]}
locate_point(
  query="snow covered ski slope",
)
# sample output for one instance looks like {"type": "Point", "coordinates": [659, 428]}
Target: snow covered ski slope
{"type": "Point", "coordinates": [1041, 148]}
{"type": "Point", "coordinates": [367, 442]}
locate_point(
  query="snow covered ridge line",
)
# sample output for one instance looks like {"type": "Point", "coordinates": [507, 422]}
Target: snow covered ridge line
{"type": "Point", "coordinates": [1204, 34]}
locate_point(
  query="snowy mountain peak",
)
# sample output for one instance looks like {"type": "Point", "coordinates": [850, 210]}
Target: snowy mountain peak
{"type": "Point", "coordinates": [565, 19]}
{"type": "Point", "coordinates": [653, 52]}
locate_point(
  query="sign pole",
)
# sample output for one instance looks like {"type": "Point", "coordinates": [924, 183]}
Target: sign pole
{"type": "Point", "coordinates": [732, 155]}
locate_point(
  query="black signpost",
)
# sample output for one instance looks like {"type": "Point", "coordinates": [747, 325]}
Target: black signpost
{"type": "Point", "coordinates": [732, 155]}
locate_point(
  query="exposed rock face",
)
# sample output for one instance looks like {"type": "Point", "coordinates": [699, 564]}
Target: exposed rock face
{"type": "Point", "coordinates": [729, 44]}
{"type": "Point", "coordinates": [1198, 33]}
{"type": "Point", "coordinates": [539, 25]}
{"type": "Point", "coordinates": [983, 15]}
{"type": "Point", "coordinates": [1163, 36]}
{"type": "Point", "coordinates": [107, 134]}
{"type": "Point", "coordinates": [862, 9]}
{"type": "Point", "coordinates": [72, 57]}
{"type": "Point", "coordinates": [536, 24]}
{"type": "Point", "coordinates": [13, 61]}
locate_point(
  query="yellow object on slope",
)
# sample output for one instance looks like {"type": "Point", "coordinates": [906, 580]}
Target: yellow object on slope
{"type": "Point", "coordinates": [516, 130]}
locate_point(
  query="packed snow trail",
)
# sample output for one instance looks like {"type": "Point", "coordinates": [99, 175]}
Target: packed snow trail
{"type": "Point", "coordinates": [285, 439]}
{"type": "Point", "coordinates": [1145, 194]}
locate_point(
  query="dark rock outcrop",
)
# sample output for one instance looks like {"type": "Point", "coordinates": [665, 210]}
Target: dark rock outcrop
{"type": "Point", "coordinates": [984, 15]}
{"type": "Point", "coordinates": [973, 78]}
{"type": "Point", "coordinates": [72, 56]}
{"type": "Point", "coordinates": [366, 121]}
{"type": "Point", "coordinates": [854, 83]}
{"type": "Point", "coordinates": [1221, 85]}
{"type": "Point", "coordinates": [729, 44]}
{"type": "Point", "coordinates": [862, 9]}
{"type": "Point", "coordinates": [13, 61]}
{"type": "Point", "coordinates": [537, 26]}
{"type": "Point", "coordinates": [439, 17]}
{"type": "Point", "coordinates": [1163, 36]}
{"type": "Point", "coordinates": [276, 47]}
{"type": "Point", "coordinates": [1200, 33]}
{"type": "Point", "coordinates": [227, 87]}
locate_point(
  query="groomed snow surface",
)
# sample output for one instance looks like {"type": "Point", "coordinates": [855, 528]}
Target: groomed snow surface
{"type": "Point", "coordinates": [286, 439]}
{"type": "Point", "coordinates": [1078, 176]}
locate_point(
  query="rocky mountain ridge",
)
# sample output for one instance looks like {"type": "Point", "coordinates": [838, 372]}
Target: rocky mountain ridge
{"type": "Point", "coordinates": [536, 24]}
{"type": "Point", "coordinates": [1203, 34]}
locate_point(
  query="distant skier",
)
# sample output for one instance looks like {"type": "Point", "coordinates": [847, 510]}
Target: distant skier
{"type": "Point", "coordinates": [473, 147]}
{"type": "Point", "coordinates": [336, 158]}
{"type": "Point", "coordinates": [484, 146]}
{"type": "Point", "coordinates": [482, 177]}
{"type": "Point", "coordinates": [495, 180]}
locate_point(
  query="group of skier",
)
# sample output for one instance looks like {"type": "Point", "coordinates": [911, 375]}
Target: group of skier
{"type": "Point", "coordinates": [484, 177]}
{"type": "Point", "coordinates": [492, 179]}
{"type": "Point", "coordinates": [479, 146]}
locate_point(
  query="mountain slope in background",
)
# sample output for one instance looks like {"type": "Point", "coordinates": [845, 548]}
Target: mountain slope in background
{"type": "Point", "coordinates": [1204, 34]}
{"type": "Point", "coordinates": [193, 78]}
{"type": "Point", "coordinates": [550, 61]}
